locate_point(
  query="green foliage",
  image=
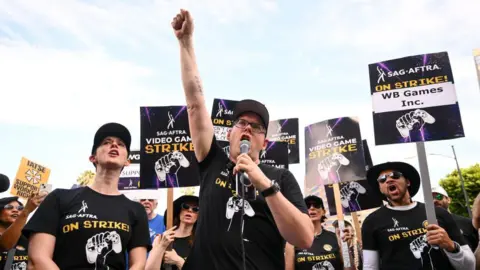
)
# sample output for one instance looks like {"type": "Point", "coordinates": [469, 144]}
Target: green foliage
{"type": "Point", "coordinates": [451, 184]}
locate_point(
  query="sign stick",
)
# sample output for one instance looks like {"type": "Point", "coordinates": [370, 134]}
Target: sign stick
{"type": "Point", "coordinates": [341, 224]}
{"type": "Point", "coordinates": [356, 225]}
{"type": "Point", "coordinates": [425, 180]}
{"type": "Point", "coordinates": [169, 218]}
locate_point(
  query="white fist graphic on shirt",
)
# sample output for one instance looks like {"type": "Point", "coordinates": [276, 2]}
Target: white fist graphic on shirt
{"type": "Point", "coordinates": [19, 266]}
{"type": "Point", "coordinates": [325, 265]}
{"type": "Point", "coordinates": [100, 245]}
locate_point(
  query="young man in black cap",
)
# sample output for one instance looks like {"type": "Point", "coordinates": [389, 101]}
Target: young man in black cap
{"type": "Point", "coordinates": [398, 236]}
{"type": "Point", "coordinates": [92, 227]}
{"type": "Point", "coordinates": [277, 214]}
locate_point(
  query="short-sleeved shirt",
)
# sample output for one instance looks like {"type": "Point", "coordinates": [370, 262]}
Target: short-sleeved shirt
{"type": "Point", "coordinates": [217, 244]}
{"type": "Point", "coordinates": [400, 238]}
{"type": "Point", "coordinates": [92, 230]}
{"type": "Point", "coordinates": [182, 247]}
{"type": "Point", "coordinates": [20, 259]}
{"type": "Point", "coordinates": [468, 231]}
{"type": "Point", "coordinates": [323, 254]}
{"type": "Point", "coordinates": [156, 226]}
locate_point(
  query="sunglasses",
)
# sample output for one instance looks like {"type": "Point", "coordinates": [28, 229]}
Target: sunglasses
{"type": "Point", "coordinates": [314, 204]}
{"type": "Point", "coordinates": [10, 207]}
{"type": "Point", "coordinates": [188, 207]}
{"type": "Point", "coordinates": [394, 175]}
{"type": "Point", "coordinates": [438, 197]}
{"type": "Point", "coordinates": [256, 128]}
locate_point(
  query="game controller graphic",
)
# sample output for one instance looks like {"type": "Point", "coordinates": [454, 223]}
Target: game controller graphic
{"type": "Point", "coordinates": [234, 205]}
{"type": "Point", "coordinates": [418, 245]}
{"type": "Point", "coordinates": [352, 189]}
{"type": "Point", "coordinates": [170, 164]}
{"type": "Point", "coordinates": [336, 160]}
{"type": "Point", "coordinates": [411, 119]}
{"type": "Point", "coordinates": [100, 245]}
{"type": "Point", "coordinates": [325, 265]}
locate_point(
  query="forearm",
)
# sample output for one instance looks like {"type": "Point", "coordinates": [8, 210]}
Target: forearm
{"type": "Point", "coordinates": [138, 266]}
{"type": "Point", "coordinates": [10, 236]}
{"type": "Point", "coordinates": [155, 258]}
{"type": "Point", "coordinates": [42, 264]}
{"type": "Point", "coordinates": [477, 258]}
{"type": "Point", "coordinates": [201, 127]}
{"type": "Point", "coordinates": [295, 226]}
{"type": "Point", "coordinates": [464, 259]}
{"type": "Point", "coordinates": [180, 263]}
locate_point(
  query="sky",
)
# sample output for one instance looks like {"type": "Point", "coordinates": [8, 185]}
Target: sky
{"type": "Point", "coordinates": [70, 66]}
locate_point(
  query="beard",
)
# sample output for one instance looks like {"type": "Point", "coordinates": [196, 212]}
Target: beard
{"type": "Point", "coordinates": [398, 195]}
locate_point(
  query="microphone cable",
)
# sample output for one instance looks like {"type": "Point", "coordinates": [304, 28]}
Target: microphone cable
{"type": "Point", "coordinates": [242, 223]}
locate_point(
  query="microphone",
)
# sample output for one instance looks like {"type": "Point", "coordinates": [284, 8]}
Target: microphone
{"type": "Point", "coordinates": [4, 183]}
{"type": "Point", "coordinates": [244, 148]}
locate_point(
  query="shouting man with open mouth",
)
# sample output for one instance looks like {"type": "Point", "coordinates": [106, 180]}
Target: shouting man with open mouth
{"type": "Point", "coordinates": [398, 236]}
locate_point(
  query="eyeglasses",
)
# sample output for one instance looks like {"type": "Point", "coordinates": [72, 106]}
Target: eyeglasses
{"type": "Point", "coordinates": [256, 128]}
{"type": "Point", "coordinates": [438, 197]}
{"type": "Point", "coordinates": [314, 204]}
{"type": "Point", "coordinates": [150, 200]}
{"type": "Point", "coordinates": [10, 207]}
{"type": "Point", "coordinates": [188, 207]}
{"type": "Point", "coordinates": [394, 175]}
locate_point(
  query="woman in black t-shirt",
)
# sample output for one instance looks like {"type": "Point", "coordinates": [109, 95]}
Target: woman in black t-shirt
{"type": "Point", "coordinates": [182, 234]}
{"type": "Point", "coordinates": [325, 252]}
{"type": "Point", "coordinates": [92, 227]}
{"type": "Point", "coordinates": [13, 216]}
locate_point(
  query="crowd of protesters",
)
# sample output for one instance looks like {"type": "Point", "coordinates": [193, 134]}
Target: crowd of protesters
{"type": "Point", "coordinates": [98, 227]}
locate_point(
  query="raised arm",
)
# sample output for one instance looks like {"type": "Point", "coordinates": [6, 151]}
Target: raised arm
{"type": "Point", "coordinates": [289, 257]}
{"type": "Point", "coordinates": [201, 127]}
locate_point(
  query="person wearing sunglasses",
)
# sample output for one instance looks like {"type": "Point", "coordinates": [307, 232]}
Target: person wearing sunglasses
{"type": "Point", "coordinates": [181, 235]}
{"type": "Point", "coordinates": [325, 252]}
{"type": "Point", "coordinates": [13, 216]}
{"type": "Point", "coordinates": [398, 236]}
{"type": "Point", "coordinates": [441, 199]}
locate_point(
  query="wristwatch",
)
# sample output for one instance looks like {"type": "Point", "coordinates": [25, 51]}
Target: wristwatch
{"type": "Point", "coordinates": [457, 248]}
{"type": "Point", "coordinates": [274, 188]}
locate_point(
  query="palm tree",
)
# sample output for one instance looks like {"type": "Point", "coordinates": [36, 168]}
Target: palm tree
{"type": "Point", "coordinates": [86, 178]}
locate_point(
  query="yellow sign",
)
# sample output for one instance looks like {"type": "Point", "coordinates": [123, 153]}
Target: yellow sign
{"type": "Point", "coordinates": [29, 177]}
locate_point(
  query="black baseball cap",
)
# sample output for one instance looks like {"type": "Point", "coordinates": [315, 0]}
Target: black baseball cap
{"type": "Point", "coordinates": [114, 130]}
{"type": "Point", "coordinates": [408, 171]}
{"type": "Point", "coordinates": [253, 106]}
{"type": "Point", "coordinates": [315, 199]}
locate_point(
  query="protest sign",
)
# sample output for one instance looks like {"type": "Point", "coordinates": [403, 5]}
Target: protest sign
{"type": "Point", "coordinates": [167, 157]}
{"type": "Point", "coordinates": [334, 152]}
{"type": "Point", "coordinates": [130, 176]}
{"type": "Point", "coordinates": [30, 176]}
{"type": "Point", "coordinates": [286, 130]}
{"type": "Point", "coordinates": [222, 117]}
{"type": "Point", "coordinates": [414, 100]}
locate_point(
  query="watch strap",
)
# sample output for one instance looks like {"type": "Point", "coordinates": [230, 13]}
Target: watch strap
{"type": "Point", "coordinates": [274, 188]}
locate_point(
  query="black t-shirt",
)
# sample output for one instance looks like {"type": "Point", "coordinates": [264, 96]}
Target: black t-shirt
{"type": "Point", "coordinates": [324, 254]}
{"type": "Point", "coordinates": [92, 230]}
{"type": "Point", "coordinates": [20, 259]}
{"type": "Point", "coordinates": [400, 238]}
{"type": "Point", "coordinates": [182, 247]}
{"type": "Point", "coordinates": [467, 230]}
{"type": "Point", "coordinates": [217, 244]}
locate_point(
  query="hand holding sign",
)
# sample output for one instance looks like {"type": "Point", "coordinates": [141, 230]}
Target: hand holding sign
{"type": "Point", "coordinates": [182, 24]}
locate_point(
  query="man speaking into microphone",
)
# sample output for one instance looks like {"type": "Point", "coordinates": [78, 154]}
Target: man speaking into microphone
{"type": "Point", "coordinates": [240, 226]}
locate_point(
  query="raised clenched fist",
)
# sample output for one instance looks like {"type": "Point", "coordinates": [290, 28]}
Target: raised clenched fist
{"type": "Point", "coordinates": [410, 120]}
{"type": "Point", "coordinates": [182, 25]}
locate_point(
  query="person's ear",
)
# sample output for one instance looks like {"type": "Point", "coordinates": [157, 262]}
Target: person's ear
{"type": "Point", "coordinates": [92, 159]}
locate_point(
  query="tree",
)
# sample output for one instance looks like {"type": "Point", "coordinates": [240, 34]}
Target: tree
{"type": "Point", "coordinates": [86, 178]}
{"type": "Point", "coordinates": [451, 184]}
